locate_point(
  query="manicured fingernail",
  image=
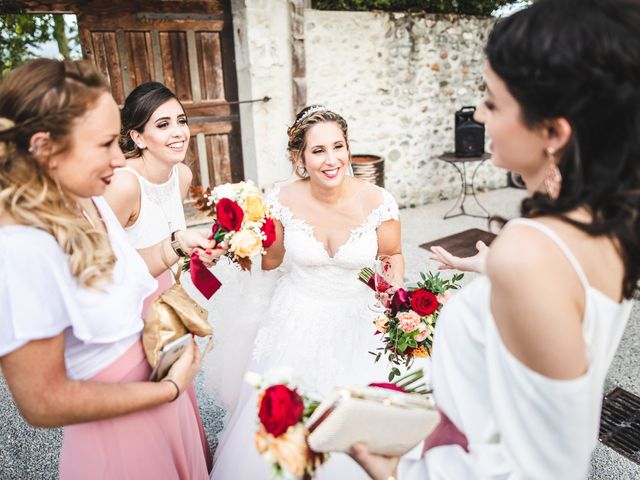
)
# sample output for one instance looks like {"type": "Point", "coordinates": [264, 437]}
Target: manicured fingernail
{"type": "Point", "coordinates": [208, 252]}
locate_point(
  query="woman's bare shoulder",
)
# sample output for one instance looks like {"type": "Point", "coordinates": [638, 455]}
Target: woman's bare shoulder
{"type": "Point", "coordinates": [537, 302]}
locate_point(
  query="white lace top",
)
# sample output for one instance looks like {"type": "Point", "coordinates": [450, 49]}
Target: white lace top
{"type": "Point", "coordinates": [161, 210]}
{"type": "Point", "coordinates": [519, 424]}
{"type": "Point", "coordinates": [39, 298]}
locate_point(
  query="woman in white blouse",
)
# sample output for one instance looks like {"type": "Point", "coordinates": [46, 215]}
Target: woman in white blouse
{"type": "Point", "coordinates": [72, 288]}
{"type": "Point", "coordinates": [521, 353]}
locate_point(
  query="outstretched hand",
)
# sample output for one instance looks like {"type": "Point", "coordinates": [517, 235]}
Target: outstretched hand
{"type": "Point", "coordinates": [377, 467]}
{"type": "Point", "coordinates": [448, 261]}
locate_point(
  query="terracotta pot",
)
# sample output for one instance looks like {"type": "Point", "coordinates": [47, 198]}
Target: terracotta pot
{"type": "Point", "coordinates": [369, 168]}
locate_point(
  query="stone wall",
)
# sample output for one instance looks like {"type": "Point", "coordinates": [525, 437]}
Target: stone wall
{"type": "Point", "coordinates": [398, 79]}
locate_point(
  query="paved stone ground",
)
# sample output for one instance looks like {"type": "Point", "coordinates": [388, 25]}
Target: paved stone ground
{"type": "Point", "coordinates": [28, 453]}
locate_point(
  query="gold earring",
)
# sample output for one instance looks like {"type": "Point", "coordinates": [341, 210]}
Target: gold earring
{"type": "Point", "coordinates": [552, 177]}
{"type": "Point", "coordinates": [301, 171]}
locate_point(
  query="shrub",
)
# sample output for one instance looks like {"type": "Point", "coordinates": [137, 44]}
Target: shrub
{"type": "Point", "coordinates": [460, 7]}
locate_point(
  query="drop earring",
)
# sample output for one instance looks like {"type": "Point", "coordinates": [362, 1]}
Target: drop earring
{"type": "Point", "coordinates": [552, 176]}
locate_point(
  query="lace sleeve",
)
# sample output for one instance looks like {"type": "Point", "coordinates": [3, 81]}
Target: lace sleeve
{"type": "Point", "coordinates": [280, 212]}
{"type": "Point", "coordinates": [388, 209]}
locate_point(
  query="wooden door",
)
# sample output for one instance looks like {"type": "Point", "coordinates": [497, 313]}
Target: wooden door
{"type": "Point", "coordinates": [192, 54]}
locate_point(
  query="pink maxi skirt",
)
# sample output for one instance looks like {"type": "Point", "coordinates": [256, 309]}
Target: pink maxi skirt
{"type": "Point", "coordinates": [163, 442]}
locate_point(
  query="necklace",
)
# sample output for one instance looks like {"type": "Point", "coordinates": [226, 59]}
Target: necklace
{"type": "Point", "coordinates": [86, 216]}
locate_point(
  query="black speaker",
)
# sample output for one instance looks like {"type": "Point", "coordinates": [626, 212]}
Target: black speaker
{"type": "Point", "coordinates": [469, 134]}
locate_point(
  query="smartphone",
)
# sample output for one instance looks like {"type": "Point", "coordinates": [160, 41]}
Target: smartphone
{"type": "Point", "coordinates": [168, 355]}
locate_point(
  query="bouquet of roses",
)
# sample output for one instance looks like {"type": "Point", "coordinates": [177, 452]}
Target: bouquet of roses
{"type": "Point", "coordinates": [408, 322]}
{"type": "Point", "coordinates": [281, 437]}
{"type": "Point", "coordinates": [241, 220]}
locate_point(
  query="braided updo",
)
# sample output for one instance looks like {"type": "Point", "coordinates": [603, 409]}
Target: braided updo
{"type": "Point", "coordinates": [307, 118]}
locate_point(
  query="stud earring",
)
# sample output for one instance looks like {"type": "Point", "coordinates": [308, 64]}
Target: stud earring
{"type": "Point", "coordinates": [552, 177]}
{"type": "Point", "coordinates": [140, 146]}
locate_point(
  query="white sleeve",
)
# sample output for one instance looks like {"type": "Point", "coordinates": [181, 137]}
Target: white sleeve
{"type": "Point", "coordinates": [545, 428]}
{"type": "Point", "coordinates": [37, 291]}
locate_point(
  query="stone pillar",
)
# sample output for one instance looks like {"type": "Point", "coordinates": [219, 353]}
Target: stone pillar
{"type": "Point", "coordinates": [299, 69]}
{"type": "Point", "coordinates": [263, 63]}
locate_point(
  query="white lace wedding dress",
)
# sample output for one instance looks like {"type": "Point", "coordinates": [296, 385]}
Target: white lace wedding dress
{"type": "Point", "coordinates": [317, 323]}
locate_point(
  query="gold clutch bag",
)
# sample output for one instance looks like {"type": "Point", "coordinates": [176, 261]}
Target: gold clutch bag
{"type": "Point", "coordinates": [169, 317]}
{"type": "Point", "coordinates": [388, 422]}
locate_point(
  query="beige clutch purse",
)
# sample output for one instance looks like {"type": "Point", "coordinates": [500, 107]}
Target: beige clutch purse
{"type": "Point", "coordinates": [388, 422]}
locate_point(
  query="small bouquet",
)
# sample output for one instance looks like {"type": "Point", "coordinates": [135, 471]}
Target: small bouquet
{"type": "Point", "coordinates": [408, 322]}
{"type": "Point", "coordinates": [241, 220]}
{"type": "Point", "coordinates": [281, 437]}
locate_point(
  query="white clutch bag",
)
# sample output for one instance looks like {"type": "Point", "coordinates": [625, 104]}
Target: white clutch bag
{"type": "Point", "coordinates": [388, 422]}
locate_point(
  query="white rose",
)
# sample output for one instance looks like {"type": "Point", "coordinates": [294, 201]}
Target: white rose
{"type": "Point", "coordinates": [254, 379]}
{"type": "Point", "coordinates": [228, 190]}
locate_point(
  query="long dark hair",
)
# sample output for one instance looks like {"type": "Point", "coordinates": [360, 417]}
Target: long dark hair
{"type": "Point", "coordinates": [580, 60]}
{"type": "Point", "coordinates": [138, 108]}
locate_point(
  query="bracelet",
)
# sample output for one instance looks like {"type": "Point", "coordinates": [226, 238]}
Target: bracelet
{"type": "Point", "coordinates": [177, 389]}
{"type": "Point", "coordinates": [175, 244]}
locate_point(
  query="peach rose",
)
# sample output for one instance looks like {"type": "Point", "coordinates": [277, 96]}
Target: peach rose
{"type": "Point", "coordinates": [289, 449]}
{"type": "Point", "coordinates": [381, 323]}
{"type": "Point", "coordinates": [245, 244]}
{"type": "Point", "coordinates": [419, 352]}
{"type": "Point", "coordinates": [408, 321]}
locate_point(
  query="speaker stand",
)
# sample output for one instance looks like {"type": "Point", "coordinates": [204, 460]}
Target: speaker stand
{"type": "Point", "coordinates": [467, 188]}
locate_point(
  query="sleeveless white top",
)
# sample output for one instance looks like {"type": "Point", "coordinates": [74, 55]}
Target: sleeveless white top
{"type": "Point", "coordinates": [39, 298]}
{"type": "Point", "coordinates": [161, 210]}
{"type": "Point", "coordinates": [519, 424]}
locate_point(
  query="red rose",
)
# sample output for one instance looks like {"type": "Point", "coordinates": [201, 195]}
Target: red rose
{"type": "Point", "coordinates": [230, 214]}
{"type": "Point", "coordinates": [280, 408]}
{"type": "Point", "coordinates": [423, 302]}
{"type": "Point", "coordinates": [269, 229]}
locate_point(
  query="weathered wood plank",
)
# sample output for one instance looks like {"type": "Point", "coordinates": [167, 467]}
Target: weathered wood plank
{"type": "Point", "coordinates": [210, 61]}
{"type": "Point", "coordinates": [139, 54]}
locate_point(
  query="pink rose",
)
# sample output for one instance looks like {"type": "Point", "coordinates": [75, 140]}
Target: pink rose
{"type": "Point", "coordinates": [444, 298]}
{"type": "Point", "coordinates": [424, 333]}
{"type": "Point", "coordinates": [408, 321]}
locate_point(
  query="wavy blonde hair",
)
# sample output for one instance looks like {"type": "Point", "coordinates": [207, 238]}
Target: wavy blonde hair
{"type": "Point", "coordinates": [307, 118]}
{"type": "Point", "coordinates": [49, 96]}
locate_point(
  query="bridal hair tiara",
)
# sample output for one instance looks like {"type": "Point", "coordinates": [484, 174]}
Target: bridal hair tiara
{"type": "Point", "coordinates": [311, 111]}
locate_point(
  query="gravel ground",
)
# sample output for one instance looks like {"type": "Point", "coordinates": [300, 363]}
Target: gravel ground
{"type": "Point", "coordinates": [28, 453]}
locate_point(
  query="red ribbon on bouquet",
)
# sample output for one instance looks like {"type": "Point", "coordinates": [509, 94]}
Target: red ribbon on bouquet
{"type": "Point", "coordinates": [205, 281]}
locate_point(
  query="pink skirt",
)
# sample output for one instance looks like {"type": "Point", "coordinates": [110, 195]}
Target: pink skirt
{"type": "Point", "coordinates": [165, 280]}
{"type": "Point", "coordinates": [163, 442]}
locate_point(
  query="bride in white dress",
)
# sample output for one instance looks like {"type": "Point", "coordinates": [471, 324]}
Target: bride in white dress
{"type": "Point", "coordinates": [318, 321]}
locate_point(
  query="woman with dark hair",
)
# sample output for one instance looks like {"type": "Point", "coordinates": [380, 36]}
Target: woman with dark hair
{"type": "Point", "coordinates": [521, 353]}
{"type": "Point", "coordinates": [146, 195]}
{"type": "Point", "coordinates": [71, 287]}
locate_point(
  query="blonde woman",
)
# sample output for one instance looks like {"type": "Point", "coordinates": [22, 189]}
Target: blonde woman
{"type": "Point", "coordinates": [71, 287]}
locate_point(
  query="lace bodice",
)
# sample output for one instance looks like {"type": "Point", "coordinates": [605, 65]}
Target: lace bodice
{"type": "Point", "coordinates": [306, 251]}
